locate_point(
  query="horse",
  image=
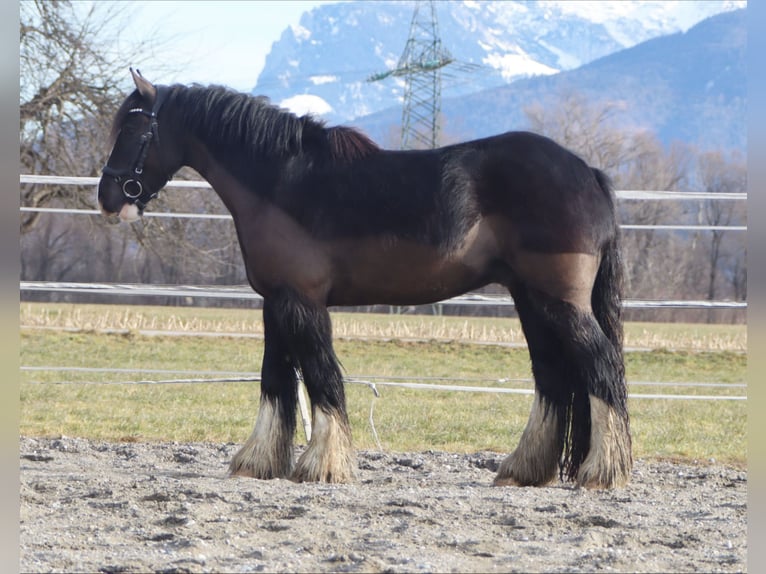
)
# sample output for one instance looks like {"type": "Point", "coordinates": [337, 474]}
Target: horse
{"type": "Point", "coordinates": [325, 217]}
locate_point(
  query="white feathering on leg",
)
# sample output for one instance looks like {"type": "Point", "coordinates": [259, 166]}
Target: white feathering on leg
{"type": "Point", "coordinates": [536, 458]}
{"type": "Point", "coordinates": [609, 459]}
{"type": "Point", "coordinates": [268, 453]}
{"type": "Point", "coordinates": [329, 456]}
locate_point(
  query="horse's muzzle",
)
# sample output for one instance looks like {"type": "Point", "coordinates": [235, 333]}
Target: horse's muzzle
{"type": "Point", "coordinates": [130, 212]}
{"type": "Point", "coordinates": [112, 204]}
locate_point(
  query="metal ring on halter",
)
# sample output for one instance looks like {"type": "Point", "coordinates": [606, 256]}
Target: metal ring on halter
{"type": "Point", "coordinates": [132, 195]}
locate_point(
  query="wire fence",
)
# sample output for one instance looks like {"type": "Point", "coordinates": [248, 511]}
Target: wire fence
{"type": "Point", "coordinates": [418, 383]}
{"type": "Point", "coordinates": [373, 382]}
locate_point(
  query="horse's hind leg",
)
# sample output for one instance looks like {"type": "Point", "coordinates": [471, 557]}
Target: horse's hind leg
{"type": "Point", "coordinates": [579, 380]}
{"type": "Point", "coordinates": [609, 459]}
{"type": "Point", "coordinates": [268, 453]}
{"type": "Point", "coordinates": [535, 461]}
{"type": "Point", "coordinates": [599, 404]}
{"type": "Point", "coordinates": [329, 456]}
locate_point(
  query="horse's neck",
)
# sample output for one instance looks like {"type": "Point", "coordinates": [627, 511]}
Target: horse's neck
{"type": "Point", "coordinates": [237, 197]}
{"type": "Point", "coordinates": [202, 133]}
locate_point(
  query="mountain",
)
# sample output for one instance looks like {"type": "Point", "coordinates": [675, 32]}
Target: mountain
{"type": "Point", "coordinates": [322, 64]}
{"type": "Point", "coordinates": [689, 86]}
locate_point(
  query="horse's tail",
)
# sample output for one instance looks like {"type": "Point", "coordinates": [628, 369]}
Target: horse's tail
{"type": "Point", "coordinates": [606, 298]}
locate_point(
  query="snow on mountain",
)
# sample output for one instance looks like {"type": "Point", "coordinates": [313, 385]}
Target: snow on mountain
{"type": "Point", "coordinates": [322, 64]}
{"type": "Point", "coordinates": [656, 18]}
{"type": "Point", "coordinates": [512, 65]}
{"type": "Point", "coordinates": [303, 104]}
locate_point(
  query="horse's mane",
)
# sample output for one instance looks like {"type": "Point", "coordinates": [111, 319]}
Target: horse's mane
{"type": "Point", "coordinates": [348, 144]}
{"type": "Point", "coordinates": [233, 121]}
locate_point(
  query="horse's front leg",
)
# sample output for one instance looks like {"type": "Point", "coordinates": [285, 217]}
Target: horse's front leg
{"type": "Point", "coordinates": [268, 453]}
{"type": "Point", "coordinates": [306, 326]}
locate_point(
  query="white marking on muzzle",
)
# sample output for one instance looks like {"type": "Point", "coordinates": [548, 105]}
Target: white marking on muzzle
{"type": "Point", "coordinates": [129, 212]}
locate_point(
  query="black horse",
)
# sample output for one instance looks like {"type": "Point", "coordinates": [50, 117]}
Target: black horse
{"type": "Point", "coordinates": [325, 217]}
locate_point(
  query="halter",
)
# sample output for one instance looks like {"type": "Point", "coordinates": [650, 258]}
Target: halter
{"type": "Point", "coordinates": [130, 179]}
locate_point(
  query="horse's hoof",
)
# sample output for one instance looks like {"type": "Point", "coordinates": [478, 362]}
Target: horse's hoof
{"type": "Point", "coordinates": [261, 474]}
{"type": "Point", "coordinates": [252, 462]}
{"type": "Point", "coordinates": [520, 470]}
{"type": "Point", "coordinates": [514, 481]}
{"type": "Point", "coordinates": [337, 477]}
{"type": "Point", "coordinates": [603, 480]}
{"type": "Point", "coordinates": [505, 481]}
{"type": "Point", "coordinates": [329, 456]}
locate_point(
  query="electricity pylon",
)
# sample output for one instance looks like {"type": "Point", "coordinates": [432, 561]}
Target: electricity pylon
{"type": "Point", "coordinates": [420, 65]}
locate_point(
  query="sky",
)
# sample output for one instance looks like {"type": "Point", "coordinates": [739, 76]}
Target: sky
{"type": "Point", "coordinates": [214, 42]}
{"type": "Point", "coordinates": [226, 41]}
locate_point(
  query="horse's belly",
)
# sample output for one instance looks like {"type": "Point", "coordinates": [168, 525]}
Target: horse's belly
{"type": "Point", "coordinates": [393, 285]}
{"type": "Point", "coordinates": [392, 271]}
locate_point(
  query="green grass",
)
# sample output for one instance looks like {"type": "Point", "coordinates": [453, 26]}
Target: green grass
{"type": "Point", "coordinates": [405, 419]}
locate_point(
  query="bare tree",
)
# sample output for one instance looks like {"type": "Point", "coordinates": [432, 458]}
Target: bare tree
{"type": "Point", "coordinates": [652, 272]}
{"type": "Point", "coordinates": [587, 129]}
{"type": "Point", "coordinates": [725, 250]}
{"type": "Point", "coordinates": [71, 83]}
{"type": "Point", "coordinates": [73, 76]}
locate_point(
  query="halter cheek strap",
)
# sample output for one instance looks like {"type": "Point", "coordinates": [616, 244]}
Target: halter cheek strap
{"type": "Point", "coordinates": [130, 179]}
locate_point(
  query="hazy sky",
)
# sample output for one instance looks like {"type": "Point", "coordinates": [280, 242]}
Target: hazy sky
{"type": "Point", "coordinates": [226, 42]}
{"type": "Point", "coordinates": [214, 42]}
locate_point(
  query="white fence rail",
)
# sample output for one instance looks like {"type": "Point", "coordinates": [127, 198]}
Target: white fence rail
{"type": "Point", "coordinates": [244, 292]}
{"type": "Point", "coordinates": [621, 194]}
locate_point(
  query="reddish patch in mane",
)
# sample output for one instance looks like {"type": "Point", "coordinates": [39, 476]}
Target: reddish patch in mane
{"type": "Point", "coordinates": [349, 144]}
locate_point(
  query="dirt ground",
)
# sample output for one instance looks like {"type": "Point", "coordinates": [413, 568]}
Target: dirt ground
{"type": "Point", "coordinates": [91, 506]}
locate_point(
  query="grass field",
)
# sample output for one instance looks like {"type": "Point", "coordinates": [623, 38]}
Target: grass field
{"type": "Point", "coordinates": [447, 350]}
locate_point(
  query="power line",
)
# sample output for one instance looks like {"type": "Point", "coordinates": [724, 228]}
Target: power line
{"type": "Point", "coordinates": [420, 65]}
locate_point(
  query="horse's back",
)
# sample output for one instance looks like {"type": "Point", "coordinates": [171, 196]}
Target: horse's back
{"type": "Point", "coordinates": [539, 189]}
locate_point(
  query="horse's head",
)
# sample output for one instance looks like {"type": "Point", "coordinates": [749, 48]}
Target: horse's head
{"type": "Point", "coordinates": [138, 166]}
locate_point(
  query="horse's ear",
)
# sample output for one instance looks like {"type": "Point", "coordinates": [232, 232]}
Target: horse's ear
{"type": "Point", "coordinates": [145, 87]}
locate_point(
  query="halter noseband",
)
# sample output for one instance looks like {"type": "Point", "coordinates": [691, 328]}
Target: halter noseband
{"type": "Point", "coordinates": [130, 179]}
